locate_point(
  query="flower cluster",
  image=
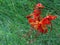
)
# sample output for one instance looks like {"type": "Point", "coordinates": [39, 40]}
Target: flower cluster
{"type": "Point", "coordinates": [37, 22]}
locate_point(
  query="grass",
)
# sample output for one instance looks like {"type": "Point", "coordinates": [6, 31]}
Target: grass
{"type": "Point", "coordinates": [13, 22]}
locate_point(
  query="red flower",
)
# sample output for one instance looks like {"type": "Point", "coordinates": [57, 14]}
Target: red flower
{"type": "Point", "coordinates": [36, 14]}
{"type": "Point", "coordinates": [44, 22]}
{"type": "Point", "coordinates": [48, 19]}
{"type": "Point", "coordinates": [36, 22]}
{"type": "Point", "coordinates": [41, 26]}
{"type": "Point", "coordinates": [39, 5]}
